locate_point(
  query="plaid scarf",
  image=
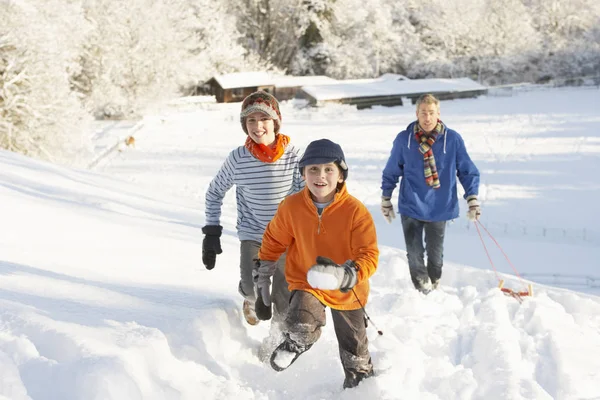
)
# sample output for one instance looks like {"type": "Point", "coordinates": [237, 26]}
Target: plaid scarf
{"type": "Point", "coordinates": [268, 154]}
{"type": "Point", "coordinates": [426, 141]}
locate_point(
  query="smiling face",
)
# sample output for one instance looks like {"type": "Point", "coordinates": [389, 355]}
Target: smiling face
{"type": "Point", "coordinates": [428, 115]}
{"type": "Point", "coordinates": [261, 128]}
{"type": "Point", "coordinates": [322, 181]}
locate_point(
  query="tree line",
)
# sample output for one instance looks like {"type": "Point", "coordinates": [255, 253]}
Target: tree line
{"type": "Point", "coordinates": [65, 62]}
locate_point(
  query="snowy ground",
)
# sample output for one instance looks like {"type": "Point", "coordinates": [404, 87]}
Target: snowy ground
{"type": "Point", "coordinates": [103, 294]}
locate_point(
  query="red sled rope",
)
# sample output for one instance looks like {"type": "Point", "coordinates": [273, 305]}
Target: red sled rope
{"type": "Point", "coordinates": [518, 295]}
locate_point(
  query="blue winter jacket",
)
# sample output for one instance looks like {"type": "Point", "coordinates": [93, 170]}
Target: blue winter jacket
{"type": "Point", "coordinates": [417, 199]}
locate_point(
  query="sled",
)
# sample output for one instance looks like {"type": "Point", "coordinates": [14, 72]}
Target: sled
{"type": "Point", "coordinates": [509, 292]}
{"type": "Point", "coordinates": [515, 294]}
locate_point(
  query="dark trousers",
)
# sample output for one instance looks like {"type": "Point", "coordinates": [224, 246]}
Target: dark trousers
{"type": "Point", "coordinates": [306, 317]}
{"type": "Point", "coordinates": [280, 295]}
{"type": "Point", "coordinates": [415, 249]}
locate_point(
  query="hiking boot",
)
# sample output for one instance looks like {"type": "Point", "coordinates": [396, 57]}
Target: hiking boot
{"type": "Point", "coordinates": [286, 353]}
{"type": "Point", "coordinates": [435, 284]}
{"type": "Point", "coordinates": [354, 378]}
{"type": "Point", "coordinates": [249, 313]}
{"type": "Point", "coordinates": [423, 285]}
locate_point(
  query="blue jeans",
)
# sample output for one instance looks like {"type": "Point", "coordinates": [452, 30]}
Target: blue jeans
{"type": "Point", "coordinates": [434, 245]}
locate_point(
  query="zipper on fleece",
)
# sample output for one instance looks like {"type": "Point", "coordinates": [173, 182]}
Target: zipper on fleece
{"type": "Point", "coordinates": [319, 225]}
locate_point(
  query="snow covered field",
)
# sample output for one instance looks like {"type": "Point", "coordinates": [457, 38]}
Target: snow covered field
{"type": "Point", "coordinates": [103, 294]}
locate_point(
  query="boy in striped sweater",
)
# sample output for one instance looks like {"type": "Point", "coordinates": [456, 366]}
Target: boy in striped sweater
{"type": "Point", "coordinates": [264, 171]}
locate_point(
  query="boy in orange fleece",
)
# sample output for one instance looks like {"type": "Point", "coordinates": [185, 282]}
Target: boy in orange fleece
{"type": "Point", "coordinates": [322, 221]}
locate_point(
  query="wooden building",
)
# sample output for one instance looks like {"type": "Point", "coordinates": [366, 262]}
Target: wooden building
{"type": "Point", "coordinates": [286, 87]}
{"type": "Point", "coordinates": [235, 87]}
{"type": "Point", "coordinates": [387, 90]}
{"type": "Point", "coordinates": [390, 90]}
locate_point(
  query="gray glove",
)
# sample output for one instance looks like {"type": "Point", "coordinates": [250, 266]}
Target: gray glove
{"type": "Point", "coordinates": [474, 208]}
{"type": "Point", "coordinates": [387, 209]}
{"type": "Point", "coordinates": [328, 275]}
{"type": "Point", "coordinates": [262, 274]}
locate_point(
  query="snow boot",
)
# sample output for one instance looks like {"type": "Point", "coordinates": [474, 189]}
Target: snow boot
{"type": "Point", "coordinates": [423, 285]}
{"type": "Point", "coordinates": [286, 353]}
{"type": "Point", "coordinates": [353, 378]}
{"type": "Point", "coordinates": [249, 313]}
{"type": "Point", "coordinates": [263, 312]}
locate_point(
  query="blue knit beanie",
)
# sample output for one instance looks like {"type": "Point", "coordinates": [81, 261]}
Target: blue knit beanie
{"type": "Point", "coordinates": [324, 151]}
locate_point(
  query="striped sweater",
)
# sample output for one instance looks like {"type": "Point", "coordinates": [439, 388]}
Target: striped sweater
{"type": "Point", "coordinates": [260, 187]}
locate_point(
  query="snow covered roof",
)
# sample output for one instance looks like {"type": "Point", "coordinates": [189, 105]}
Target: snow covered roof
{"type": "Point", "coordinates": [389, 87]}
{"type": "Point", "coordinates": [296, 81]}
{"type": "Point", "coordinates": [250, 79]}
{"type": "Point", "coordinates": [244, 79]}
{"type": "Point", "coordinates": [323, 88]}
{"type": "Point", "coordinates": [396, 77]}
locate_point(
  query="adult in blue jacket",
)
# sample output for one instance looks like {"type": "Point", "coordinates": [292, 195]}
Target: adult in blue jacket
{"type": "Point", "coordinates": [428, 157]}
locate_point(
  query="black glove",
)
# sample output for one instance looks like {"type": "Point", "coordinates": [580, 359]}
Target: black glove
{"type": "Point", "coordinates": [263, 312]}
{"type": "Point", "coordinates": [211, 245]}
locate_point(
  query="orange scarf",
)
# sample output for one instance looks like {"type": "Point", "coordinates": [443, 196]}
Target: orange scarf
{"type": "Point", "coordinates": [268, 154]}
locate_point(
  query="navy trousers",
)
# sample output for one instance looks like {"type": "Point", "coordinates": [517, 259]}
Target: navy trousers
{"type": "Point", "coordinates": [416, 248]}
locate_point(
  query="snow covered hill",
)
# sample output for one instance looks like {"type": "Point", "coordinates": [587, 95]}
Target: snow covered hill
{"type": "Point", "coordinates": [103, 294]}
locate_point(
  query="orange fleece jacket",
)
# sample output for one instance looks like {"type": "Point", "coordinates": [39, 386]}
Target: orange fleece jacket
{"type": "Point", "coordinates": [344, 231]}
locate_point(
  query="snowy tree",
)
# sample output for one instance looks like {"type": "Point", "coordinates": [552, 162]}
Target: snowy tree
{"type": "Point", "coordinates": [271, 28]}
{"type": "Point", "coordinates": [216, 46]}
{"type": "Point", "coordinates": [131, 55]}
{"type": "Point", "coordinates": [570, 43]}
{"type": "Point", "coordinates": [119, 58]}
{"type": "Point", "coordinates": [312, 57]}
{"type": "Point", "coordinates": [508, 42]}
{"type": "Point", "coordinates": [142, 52]}
{"type": "Point", "coordinates": [39, 115]}
{"type": "Point", "coordinates": [490, 41]}
{"type": "Point", "coordinates": [367, 38]}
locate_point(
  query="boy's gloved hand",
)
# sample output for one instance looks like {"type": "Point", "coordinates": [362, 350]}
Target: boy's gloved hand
{"type": "Point", "coordinates": [211, 245]}
{"type": "Point", "coordinates": [328, 275]}
{"type": "Point", "coordinates": [262, 287]}
{"type": "Point", "coordinates": [387, 209]}
{"type": "Point", "coordinates": [474, 208]}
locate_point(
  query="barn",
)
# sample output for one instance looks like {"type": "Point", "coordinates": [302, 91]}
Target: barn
{"type": "Point", "coordinates": [235, 87]}
{"type": "Point", "coordinates": [229, 88]}
{"type": "Point", "coordinates": [389, 90]}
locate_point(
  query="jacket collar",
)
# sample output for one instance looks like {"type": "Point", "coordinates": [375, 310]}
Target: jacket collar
{"type": "Point", "coordinates": [340, 195]}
